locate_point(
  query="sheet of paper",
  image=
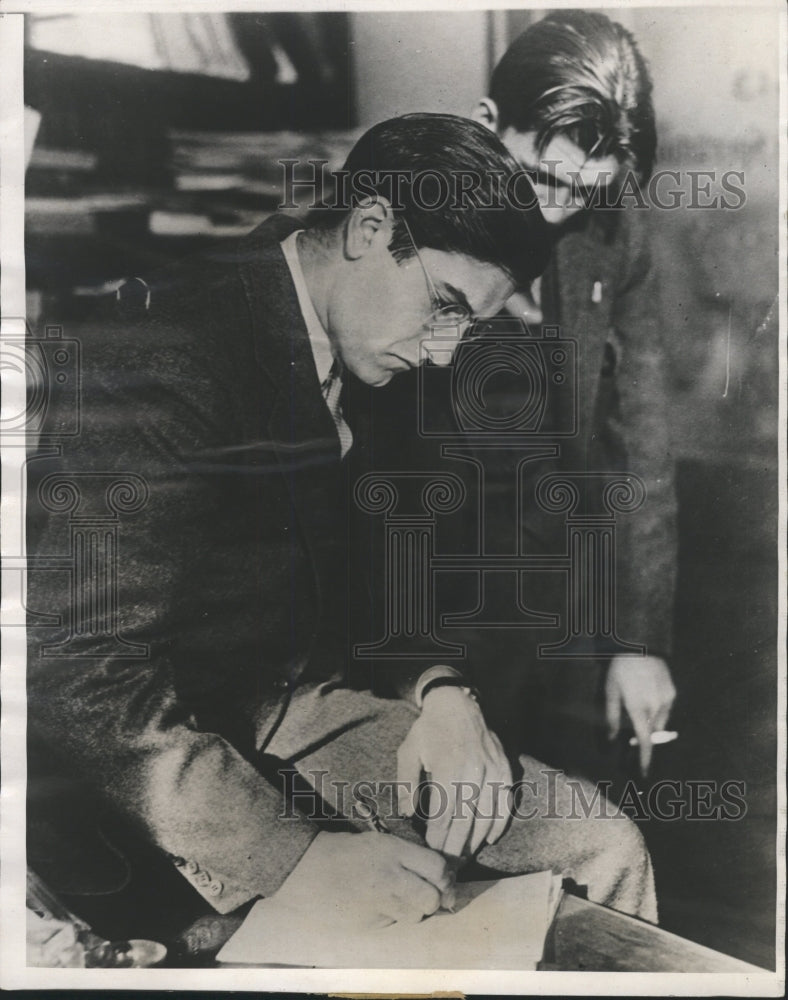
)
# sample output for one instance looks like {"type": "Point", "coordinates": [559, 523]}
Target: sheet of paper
{"type": "Point", "coordinates": [498, 925]}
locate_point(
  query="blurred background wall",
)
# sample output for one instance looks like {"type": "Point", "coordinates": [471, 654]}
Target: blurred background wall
{"type": "Point", "coordinates": [419, 61]}
{"type": "Point", "coordinates": [708, 62]}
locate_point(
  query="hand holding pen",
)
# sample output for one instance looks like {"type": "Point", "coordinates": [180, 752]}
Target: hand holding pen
{"type": "Point", "coordinates": [367, 810]}
{"type": "Point", "coordinates": [363, 881]}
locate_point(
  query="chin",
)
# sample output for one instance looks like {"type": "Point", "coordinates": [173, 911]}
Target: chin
{"type": "Point", "coordinates": [557, 217]}
{"type": "Point", "coordinates": [375, 379]}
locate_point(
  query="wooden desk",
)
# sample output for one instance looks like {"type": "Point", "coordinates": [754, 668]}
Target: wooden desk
{"type": "Point", "coordinates": [586, 937]}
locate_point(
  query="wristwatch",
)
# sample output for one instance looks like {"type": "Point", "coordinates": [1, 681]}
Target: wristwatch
{"type": "Point", "coordinates": [441, 676]}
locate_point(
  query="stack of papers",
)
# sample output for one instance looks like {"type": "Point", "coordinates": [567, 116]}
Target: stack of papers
{"type": "Point", "coordinates": [497, 925]}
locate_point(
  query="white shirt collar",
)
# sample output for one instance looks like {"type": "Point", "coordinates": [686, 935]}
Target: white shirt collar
{"type": "Point", "coordinates": [318, 338]}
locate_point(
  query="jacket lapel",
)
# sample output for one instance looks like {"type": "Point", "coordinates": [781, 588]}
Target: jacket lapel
{"type": "Point", "coordinates": [585, 287]}
{"type": "Point", "coordinates": [301, 430]}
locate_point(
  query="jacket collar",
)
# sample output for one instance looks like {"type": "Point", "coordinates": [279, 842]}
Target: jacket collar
{"type": "Point", "coordinates": [301, 430]}
{"type": "Point", "coordinates": [282, 347]}
{"type": "Point", "coordinates": [280, 334]}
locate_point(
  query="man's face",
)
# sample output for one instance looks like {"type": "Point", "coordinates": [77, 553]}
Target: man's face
{"type": "Point", "coordinates": [561, 174]}
{"type": "Point", "coordinates": [383, 313]}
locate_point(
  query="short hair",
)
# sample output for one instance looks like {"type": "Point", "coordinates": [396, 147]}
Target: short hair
{"type": "Point", "coordinates": [435, 148]}
{"type": "Point", "coordinates": [578, 74]}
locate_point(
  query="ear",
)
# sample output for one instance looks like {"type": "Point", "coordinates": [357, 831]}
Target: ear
{"type": "Point", "coordinates": [486, 113]}
{"type": "Point", "coordinates": [368, 225]}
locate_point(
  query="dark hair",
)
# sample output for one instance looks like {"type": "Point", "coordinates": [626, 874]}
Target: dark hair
{"type": "Point", "coordinates": [579, 74]}
{"type": "Point", "coordinates": [416, 160]}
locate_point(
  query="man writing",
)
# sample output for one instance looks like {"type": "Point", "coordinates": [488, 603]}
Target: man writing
{"type": "Point", "coordinates": [219, 390]}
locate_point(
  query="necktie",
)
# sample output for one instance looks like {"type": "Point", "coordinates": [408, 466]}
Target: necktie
{"type": "Point", "coordinates": [332, 391]}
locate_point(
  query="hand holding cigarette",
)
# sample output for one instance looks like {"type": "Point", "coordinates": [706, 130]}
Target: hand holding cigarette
{"type": "Point", "coordinates": [643, 688]}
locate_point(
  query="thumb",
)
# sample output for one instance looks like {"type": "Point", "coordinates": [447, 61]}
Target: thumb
{"type": "Point", "coordinates": [612, 708]}
{"type": "Point", "coordinates": [408, 775]}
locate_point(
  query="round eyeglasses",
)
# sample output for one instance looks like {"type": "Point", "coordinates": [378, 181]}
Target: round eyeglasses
{"type": "Point", "coordinates": [443, 313]}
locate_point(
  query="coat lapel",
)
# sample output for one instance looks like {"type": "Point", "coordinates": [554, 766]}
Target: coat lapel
{"type": "Point", "coordinates": [585, 287]}
{"type": "Point", "coordinates": [301, 430]}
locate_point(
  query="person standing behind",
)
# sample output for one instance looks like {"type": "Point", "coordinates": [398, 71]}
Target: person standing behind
{"type": "Point", "coordinates": [571, 99]}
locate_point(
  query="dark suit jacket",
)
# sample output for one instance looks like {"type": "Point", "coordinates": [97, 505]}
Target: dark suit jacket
{"type": "Point", "coordinates": [230, 574]}
{"type": "Point", "coordinates": [623, 405]}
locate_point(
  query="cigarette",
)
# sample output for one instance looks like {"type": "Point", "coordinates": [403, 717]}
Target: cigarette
{"type": "Point", "coordinates": [657, 737]}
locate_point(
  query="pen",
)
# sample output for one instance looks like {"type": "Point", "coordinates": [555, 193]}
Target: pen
{"type": "Point", "coordinates": [367, 810]}
{"type": "Point", "coordinates": [657, 737]}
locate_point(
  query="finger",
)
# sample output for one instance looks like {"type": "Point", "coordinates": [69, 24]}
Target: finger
{"type": "Point", "coordinates": [381, 919]}
{"type": "Point", "coordinates": [498, 753]}
{"type": "Point", "coordinates": [662, 716]}
{"type": "Point", "coordinates": [408, 776]}
{"type": "Point", "coordinates": [425, 863]}
{"type": "Point", "coordinates": [483, 822]}
{"type": "Point", "coordinates": [421, 897]}
{"type": "Point", "coordinates": [644, 754]}
{"type": "Point", "coordinates": [494, 802]}
{"type": "Point", "coordinates": [612, 709]}
{"type": "Point", "coordinates": [449, 899]}
{"type": "Point", "coordinates": [483, 809]}
{"type": "Point", "coordinates": [502, 812]}
{"type": "Point", "coordinates": [501, 761]}
{"type": "Point", "coordinates": [439, 815]}
{"type": "Point", "coordinates": [643, 729]}
{"type": "Point", "coordinates": [499, 779]}
{"type": "Point", "coordinates": [459, 833]}
{"type": "Point", "coordinates": [465, 814]}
